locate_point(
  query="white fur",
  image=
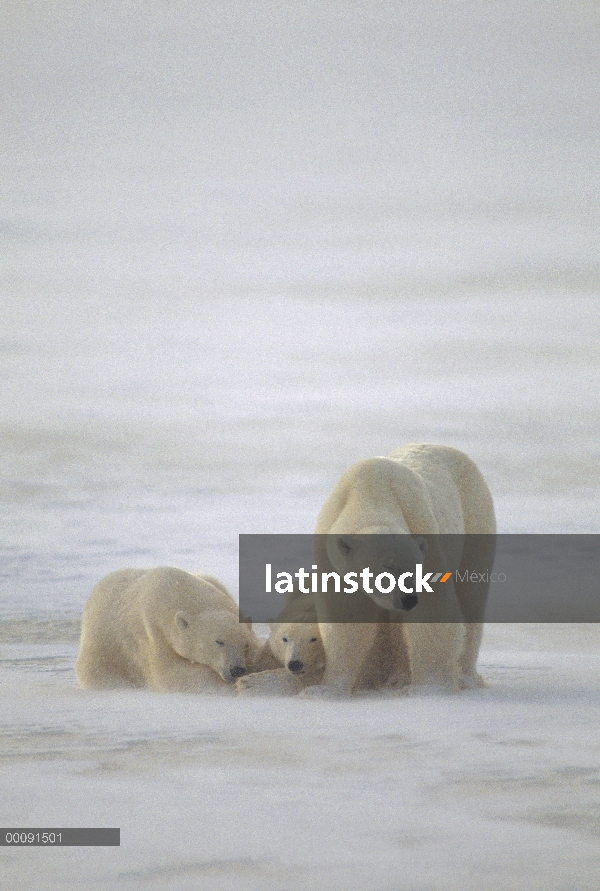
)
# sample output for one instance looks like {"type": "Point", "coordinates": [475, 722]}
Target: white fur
{"type": "Point", "coordinates": [164, 629]}
{"type": "Point", "coordinates": [419, 490]}
{"type": "Point", "coordinates": [291, 659]}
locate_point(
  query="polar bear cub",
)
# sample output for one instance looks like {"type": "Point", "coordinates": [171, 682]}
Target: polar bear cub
{"type": "Point", "coordinates": [292, 658]}
{"type": "Point", "coordinates": [164, 629]}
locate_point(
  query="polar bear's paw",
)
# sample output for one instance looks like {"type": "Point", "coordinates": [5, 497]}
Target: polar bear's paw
{"type": "Point", "coordinates": [472, 681]}
{"type": "Point", "coordinates": [398, 681]}
{"type": "Point", "coordinates": [267, 683]}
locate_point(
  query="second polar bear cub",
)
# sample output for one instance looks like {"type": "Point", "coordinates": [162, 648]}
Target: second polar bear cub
{"type": "Point", "coordinates": [292, 657]}
{"type": "Point", "coordinates": [164, 629]}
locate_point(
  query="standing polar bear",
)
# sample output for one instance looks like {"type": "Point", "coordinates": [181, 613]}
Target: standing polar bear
{"type": "Point", "coordinates": [428, 497]}
{"type": "Point", "coordinates": [164, 629]}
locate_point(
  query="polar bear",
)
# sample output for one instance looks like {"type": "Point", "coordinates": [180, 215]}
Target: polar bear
{"type": "Point", "coordinates": [164, 629]}
{"type": "Point", "coordinates": [293, 657]}
{"type": "Point", "coordinates": [419, 492]}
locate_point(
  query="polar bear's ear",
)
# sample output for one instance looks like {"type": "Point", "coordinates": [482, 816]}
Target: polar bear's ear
{"type": "Point", "coordinates": [246, 620]}
{"type": "Point", "coordinates": [422, 544]}
{"type": "Point", "coordinates": [344, 544]}
{"type": "Point", "coordinates": [181, 621]}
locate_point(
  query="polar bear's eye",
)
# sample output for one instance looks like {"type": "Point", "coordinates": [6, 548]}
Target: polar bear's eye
{"type": "Point", "coordinates": [313, 640]}
{"type": "Point", "coordinates": [344, 546]}
{"type": "Point", "coordinates": [284, 639]}
{"type": "Point", "coordinates": [220, 642]}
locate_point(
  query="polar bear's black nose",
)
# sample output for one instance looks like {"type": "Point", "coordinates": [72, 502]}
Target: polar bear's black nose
{"type": "Point", "coordinates": [295, 665]}
{"type": "Point", "coordinates": [237, 671]}
{"type": "Point", "coordinates": [409, 601]}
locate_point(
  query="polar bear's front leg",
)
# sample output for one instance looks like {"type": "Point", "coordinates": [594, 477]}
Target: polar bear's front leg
{"type": "Point", "coordinates": [181, 676]}
{"type": "Point", "coordinates": [434, 652]}
{"type": "Point", "coordinates": [470, 677]}
{"type": "Point", "coordinates": [347, 646]}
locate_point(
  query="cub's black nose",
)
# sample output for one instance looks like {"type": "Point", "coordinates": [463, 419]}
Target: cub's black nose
{"type": "Point", "coordinates": [409, 601]}
{"type": "Point", "coordinates": [295, 665]}
{"type": "Point", "coordinates": [237, 671]}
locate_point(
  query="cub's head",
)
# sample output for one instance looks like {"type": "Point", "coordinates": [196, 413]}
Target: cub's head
{"type": "Point", "coordinates": [298, 646]}
{"type": "Point", "coordinates": [215, 639]}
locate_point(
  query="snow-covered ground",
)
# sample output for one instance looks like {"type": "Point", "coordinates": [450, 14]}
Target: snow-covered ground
{"type": "Point", "coordinates": [493, 789]}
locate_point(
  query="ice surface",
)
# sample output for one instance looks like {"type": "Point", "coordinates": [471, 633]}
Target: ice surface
{"type": "Point", "coordinates": [495, 788]}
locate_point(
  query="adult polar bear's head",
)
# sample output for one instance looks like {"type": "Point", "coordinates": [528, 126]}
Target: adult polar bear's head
{"type": "Point", "coordinates": [214, 638]}
{"type": "Point", "coordinates": [368, 521]}
{"type": "Point", "coordinates": [298, 646]}
{"type": "Point", "coordinates": [392, 555]}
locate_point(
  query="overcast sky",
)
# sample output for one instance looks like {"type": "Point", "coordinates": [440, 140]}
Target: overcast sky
{"type": "Point", "coordinates": [301, 83]}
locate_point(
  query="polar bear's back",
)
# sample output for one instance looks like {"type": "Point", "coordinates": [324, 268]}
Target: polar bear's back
{"type": "Point", "coordinates": [160, 590]}
{"type": "Point", "coordinates": [110, 633]}
{"type": "Point", "coordinates": [455, 486]}
{"type": "Point", "coordinates": [421, 489]}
